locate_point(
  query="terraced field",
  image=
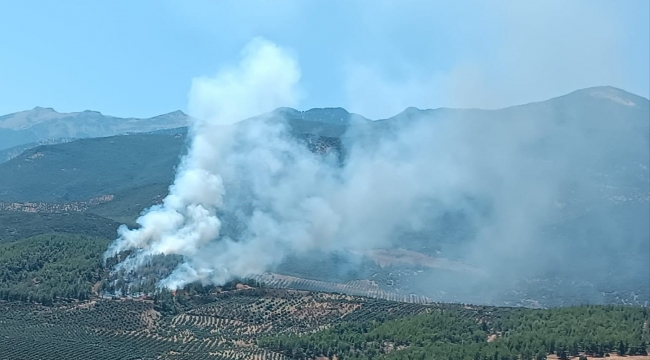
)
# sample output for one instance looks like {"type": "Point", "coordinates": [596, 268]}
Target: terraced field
{"type": "Point", "coordinates": [282, 324]}
{"type": "Point", "coordinates": [228, 326]}
{"type": "Point", "coordinates": [366, 288]}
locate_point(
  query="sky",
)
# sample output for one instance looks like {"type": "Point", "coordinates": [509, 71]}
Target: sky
{"type": "Point", "coordinates": [138, 59]}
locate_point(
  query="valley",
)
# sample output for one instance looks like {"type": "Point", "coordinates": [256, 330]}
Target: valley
{"type": "Point", "coordinates": [325, 180]}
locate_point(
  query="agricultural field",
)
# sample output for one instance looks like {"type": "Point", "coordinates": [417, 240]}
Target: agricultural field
{"type": "Point", "coordinates": [366, 288]}
{"type": "Point", "coordinates": [262, 323]}
{"type": "Point", "coordinates": [60, 300]}
{"type": "Point", "coordinates": [224, 325]}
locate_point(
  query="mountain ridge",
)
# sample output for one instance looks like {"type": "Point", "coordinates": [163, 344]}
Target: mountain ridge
{"type": "Point", "coordinates": [332, 115]}
{"type": "Point", "coordinates": [41, 114]}
{"type": "Point", "coordinates": [598, 112]}
{"type": "Point", "coordinates": [46, 124]}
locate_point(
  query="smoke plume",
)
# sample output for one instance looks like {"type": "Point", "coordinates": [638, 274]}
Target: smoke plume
{"type": "Point", "coordinates": [186, 222]}
{"type": "Point", "coordinates": [248, 194]}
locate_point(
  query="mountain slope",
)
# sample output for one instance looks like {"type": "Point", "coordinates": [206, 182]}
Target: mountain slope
{"type": "Point", "coordinates": [598, 229]}
{"type": "Point", "coordinates": [41, 124]}
{"type": "Point", "coordinates": [19, 225]}
{"type": "Point", "coordinates": [12, 152]}
{"type": "Point", "coordinates": [87, 168]}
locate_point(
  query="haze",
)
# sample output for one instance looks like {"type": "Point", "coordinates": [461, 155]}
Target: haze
{"type": "Point", "coordinates": [138, 57]}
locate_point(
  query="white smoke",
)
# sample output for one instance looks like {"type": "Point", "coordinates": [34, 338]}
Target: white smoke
{"type": "Point", "coordinates": [249, 194]}
{"type": "Point", "coordinates": [186, 222]}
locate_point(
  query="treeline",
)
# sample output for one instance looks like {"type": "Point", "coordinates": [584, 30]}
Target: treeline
{"type": "Point", "coordinates": [459, 334]}
{"type": "Point", "coordinates": [48, 267]}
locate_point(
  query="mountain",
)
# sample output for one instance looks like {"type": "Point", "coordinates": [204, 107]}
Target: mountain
{"type": "Point", "coordinates": [328, 122]}
{"type": "Point", "coordinates": [603, 130]}
{"type": "Point", "coordinates": [92, 167]}
{"type": "Point", "coordinates": [87, 168]}
{"type": "Point", "coordinates": [330, 116]}
{"type": "Point", "coordinates": [42, 124]}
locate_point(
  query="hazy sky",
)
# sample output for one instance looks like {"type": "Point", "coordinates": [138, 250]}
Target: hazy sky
{"type": "Point", "coordinates": [137, 58]}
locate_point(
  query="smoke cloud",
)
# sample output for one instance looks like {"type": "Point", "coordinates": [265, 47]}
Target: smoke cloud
{"type": "Point", "coordinates": [247, 195]}
{"type": "Point", "coordinates": [186, 222]}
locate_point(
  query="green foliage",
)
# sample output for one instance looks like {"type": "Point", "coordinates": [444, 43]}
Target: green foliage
{"type": "Point", "coordinates": [87, 168]}
{"type": "Point", "coordinates": [105, 330]}
{"type": "Point", "coordinates": [127, 204]}
{"type": "Point", "coordinates": [458, 334]}
{"type": "Point", "coordinates": [46, 267]}
{"type": "Point", "coordinates": [226, 326]}
{"type": "Point", "coordinates": [20, 225]}
{"type": "Point", "coordinates": [275, 324]}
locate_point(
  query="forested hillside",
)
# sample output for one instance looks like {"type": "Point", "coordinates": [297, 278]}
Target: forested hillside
{"type": "Point", "coordinates": [16, 225]}
{"type": "Point", "coordinates": [51, 267]}
{"type": "Point", "coordinates": [87, 168]}
{"type": "Point", "coordinates": [457, 334]}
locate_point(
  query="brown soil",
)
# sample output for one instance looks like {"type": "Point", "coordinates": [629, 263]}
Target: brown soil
{"type": "Point", "coordinates": [387, 257]}
{"type": "Point", "coordinates": [242, 287]}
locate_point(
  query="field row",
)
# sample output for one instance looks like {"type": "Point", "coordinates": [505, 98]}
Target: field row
{"type": "Point", "coordinates": [354, 288]}
{"type": "Point", "coordinates": [226, 326]}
